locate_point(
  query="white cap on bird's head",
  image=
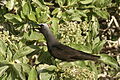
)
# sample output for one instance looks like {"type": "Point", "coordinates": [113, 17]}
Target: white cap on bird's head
{"type": "Point", "coordinates": [43, 24]}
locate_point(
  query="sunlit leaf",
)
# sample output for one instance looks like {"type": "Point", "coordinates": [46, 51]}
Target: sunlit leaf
{"type": "Point", "coordinates": [3, 69]}
{"type": "Point", "coordinates": [109, 60]}
{"type": "Point", "coordinates": [10, 4]}
{"type": "Point", "coordinates": [55, 11]}
{"type": "Point", "coordinates": [9, 16]}
{"type": "Point", "coordinates": [101, 13]}
{"type": "Point", "coordinates": [61, 2]}
{"type": "Point", "coordinates": [44, 75]}
{"type": "Point", "coordinates": [72, 2]}
{"type": "Point", "coordinates": [83, 48]}
{"type": "Point", "coordinates": [32, 17]}
{"type": "Point", "coordinates": [33, 74]}
{"type": "Point", "coordinates": [26, 67]}
{"type": "Point", "coordinates": [102, 3]}
{"type": "Point", "coordinates": [18, 71]}
{"type": "Point", "coordinates": [54, 25]}
{"type": "Point", "coordinates": [18, 18]}
{"type": "Point", "coordinates": [23, 52]}
{"type": "Point", "coordinates": [98, 46]}
{"type": "Point", "coordinates": [33, 36]}
{"type": "Point", "coordinates": [86, 1]}
{"type": "Point", "coordinates": [40, 3]}
{"type": "Point", "coordinates": [26, 9]}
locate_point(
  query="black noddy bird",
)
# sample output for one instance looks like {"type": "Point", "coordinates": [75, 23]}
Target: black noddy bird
{"type": "Point", "coordinates": [60, 51]}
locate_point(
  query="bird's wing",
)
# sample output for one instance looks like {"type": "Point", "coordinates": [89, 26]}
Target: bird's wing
{"type": "Point", "coordinates": [67, 52]}
{"type": "Point", "coordinates": [62, 52]}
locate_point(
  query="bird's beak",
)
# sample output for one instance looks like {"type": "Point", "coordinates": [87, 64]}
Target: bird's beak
{"type": "Point", "coordinates": [40, 24]}
{"type": "Point", "coordinates": [36, 29]}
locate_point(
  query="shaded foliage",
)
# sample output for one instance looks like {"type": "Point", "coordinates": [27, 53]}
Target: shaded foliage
{"type": "Point", "coordinates": [77, 23]}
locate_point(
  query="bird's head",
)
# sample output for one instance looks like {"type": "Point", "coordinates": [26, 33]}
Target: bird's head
{"type": "Point", "coordinates": [42, 27]}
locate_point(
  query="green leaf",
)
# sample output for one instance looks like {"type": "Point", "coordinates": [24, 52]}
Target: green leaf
{"type": "Point", "coordinates": [9, 16]}
{"type": "Point", "coordinates": [26, 67]}
{"type": "Point", "coordinates": [81, 47]}
{"type": "Point", "coordinates": [101, 13]}
{"type": "Point", "coordinates": [76, 63]}
{"type": "Point", "coordinates": [10, 4]}
{"type": "Point", "coordinates": [55, 11]}
{"type": "Point", "coordinates": [44, 75]}
{"type": "Point", "coordinates": [86, 1]}
{"type": "Point", "coordinates": [13, 18]}
{"type": "Point", "coordinates": [36, 36]}
{"type": "Point", "coordinates": [94, 27]}
{"type": "Point", "coordinates": [98, 46]}
{"type": "Point", "coordinates": [22, 15]}
{"type": "Point", "coordinates": [17, 17]}
{"type": "Point", "coordinates": [49, 3]}
{"type": "Point", "coordinates": [59, 15]}
{"type": "Point", "coordinates": [10, 76]}
{"type": "Point", "coordinates": [54, 25]}
{"type": "Point", "coordinates": [32, 17]}
{"type": "Point", "coordinates": [102, 3]}
{"type": "Point", "coordinates": [40, 3]}
{"type": "Point", "coordinates": [45, 57]}
{"type": "Point", "coordinates": [4, 77]}
{"type": "Point", "coordinates": [51, 68]}
{"type": "Point", "coordinates": [3, 69]}
{"type": "Point", "coordinates": [18, 71]}
{"type": "Point", "coordinates": [71, 2]}
{"type": "Point", "coordinates": [61, 2]}
{"type": "Point", "coordinates": [33, 36]}
{"type": "Point", "coordinates": [23, 52]}
{"type": "Point", "coordinates": [33, 74]}
{"type": "Point", "coordinates": [109, 60]}
{"type": "Point", "coordinates": [26, 9]}
{"type": "Point", "coordinates": [9, 54]}
{"type": "Point", "coordinates": [43, 17]}
{"type": "Point", "coordinates": [3, 48]}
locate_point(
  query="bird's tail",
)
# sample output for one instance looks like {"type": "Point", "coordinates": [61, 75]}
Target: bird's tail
{"type": "Point", "coordinates": [87, 56]}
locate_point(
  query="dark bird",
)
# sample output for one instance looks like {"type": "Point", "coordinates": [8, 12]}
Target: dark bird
{"type": "Point", "coordinates": [60, 51]}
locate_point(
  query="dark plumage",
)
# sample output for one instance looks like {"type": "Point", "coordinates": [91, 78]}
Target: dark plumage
{"type": "Point", "coordinates": [60, 51]}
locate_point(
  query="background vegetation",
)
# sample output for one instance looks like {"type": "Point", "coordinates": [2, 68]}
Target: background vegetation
{"type": "Point", "coordinates": [91, 26]}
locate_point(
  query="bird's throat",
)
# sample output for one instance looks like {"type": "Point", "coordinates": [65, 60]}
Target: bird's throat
{"type": "Point", "coordinates": [51, 40]}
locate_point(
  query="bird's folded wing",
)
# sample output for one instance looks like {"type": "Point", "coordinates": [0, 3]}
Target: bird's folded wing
{"type": "Point", "coordinates": [70, 53]}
